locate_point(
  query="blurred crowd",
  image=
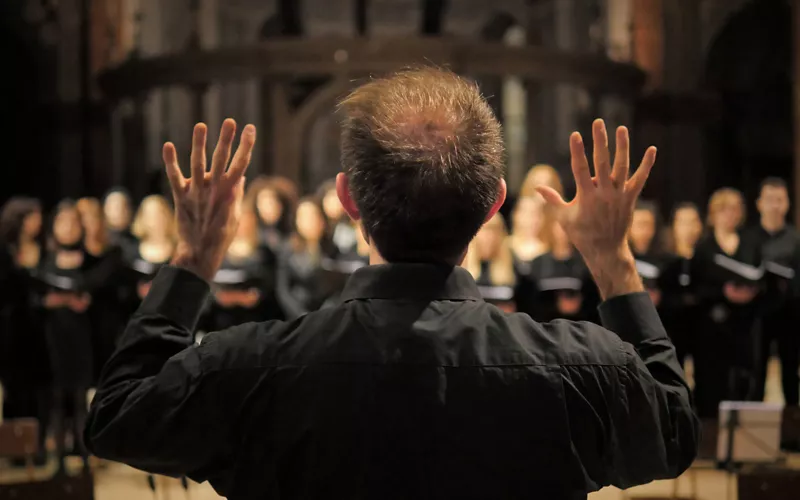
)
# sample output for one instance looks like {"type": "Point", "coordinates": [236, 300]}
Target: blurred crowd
{"type": "Point", "coordinates": [727, 293]}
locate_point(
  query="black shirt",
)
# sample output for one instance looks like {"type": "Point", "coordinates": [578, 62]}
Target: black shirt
{"type": "Point", "coordinates": [254, 272]}
{"type": "Point", "coordinates": [650, 266]}
{"type": "Point", "coordinates": [413, 387]}
{"type": "Point", "coordinates": [716, 268]}
{"type": "Point", "coordinates": [68, 333]}
{"type": "Point", "coordinates": [781, 254]}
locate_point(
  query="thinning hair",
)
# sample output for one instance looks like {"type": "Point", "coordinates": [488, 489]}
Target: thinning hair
{"type": "Point", "coordinates": [423, 153]}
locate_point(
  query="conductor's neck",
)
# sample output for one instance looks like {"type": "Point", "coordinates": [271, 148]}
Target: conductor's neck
{"type": "Point", "coordinates": [375, 257]}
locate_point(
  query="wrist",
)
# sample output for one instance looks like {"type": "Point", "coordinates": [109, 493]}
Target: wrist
{"type": "Point", "coordinates": [615, 273]}
{"type": "Point", "coordinates": [189, 260]}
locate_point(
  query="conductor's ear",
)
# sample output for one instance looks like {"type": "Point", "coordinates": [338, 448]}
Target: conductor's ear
{"type": "Point", "coordinates": [343, 192]}
{"type": "Point", "coordinates": [498, 203]}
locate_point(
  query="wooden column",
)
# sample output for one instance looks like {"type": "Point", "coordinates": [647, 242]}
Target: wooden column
{"type": "Point", "coordinates": [648, 40]}
{"type": "Point", "coordinates": [796, 104]}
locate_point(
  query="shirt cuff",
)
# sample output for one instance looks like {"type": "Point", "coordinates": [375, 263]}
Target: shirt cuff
{"type": "Point", "coordinates": [633, 317]}
{"type": "Point", "coordinates": [177, 295]}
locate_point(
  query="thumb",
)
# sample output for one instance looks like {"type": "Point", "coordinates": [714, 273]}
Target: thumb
{"type": "Point", "coordinates": [551, 196]}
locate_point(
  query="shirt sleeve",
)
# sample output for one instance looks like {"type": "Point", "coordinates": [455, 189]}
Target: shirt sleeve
{"type": "Point", "coordinates": [159, 407]}
{"type": "Point", "coordinates": [654, 432]}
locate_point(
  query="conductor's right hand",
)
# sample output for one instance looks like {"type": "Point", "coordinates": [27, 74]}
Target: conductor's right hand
{"type": "Point", "coordinates": [598, 218]}
{"type": "Point", "coordinates": [208, 205]}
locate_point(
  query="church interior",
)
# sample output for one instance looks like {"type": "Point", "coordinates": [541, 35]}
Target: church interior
{"type": "Point", "coordinates": [96, 87]}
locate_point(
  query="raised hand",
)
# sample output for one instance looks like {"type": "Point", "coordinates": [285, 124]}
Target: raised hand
{"type": "Point", "coordinates": [598, 218]}
{"type": "Point", "coordinates": [208, 205]}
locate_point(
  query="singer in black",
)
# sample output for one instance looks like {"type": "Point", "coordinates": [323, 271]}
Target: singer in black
{"type": "Point", "coordinates": [105, 282]}
{"type": "Point", "coordinates": [780, 246]}
{"type": "Point", "coordinates": [245, 283]}
{"type": "Point", "coordinates": [491, 263]}
{"type": "Point", "coordinates": [154, 228]}
{"type": "Point", "coordinates": [301, 287]}
{"type": "Point", "coordinates": [560, 285]}
{"type": "Point", "coordinates": [730, 280]}
{"type": "Point", "coordinates": [680, 306]}
{"type": "Point", "coordinates": [117, 214]}
{"type": "Point", "coordinates": [68, 326]}
{"type": "Point", "coordinates": [342, 232]}
{"type": "Point", "coordinates": [274, 207]}
{"type": "Point", "coordinates": [530, 237]}
{"type": "Point", "coordinates": [24, 361]}
{"type": "Point", "coordinates": [413, 386]}
{"type": "Point", "coordinates": [643, 237]}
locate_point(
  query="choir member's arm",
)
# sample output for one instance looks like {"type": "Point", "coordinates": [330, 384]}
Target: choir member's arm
{"type": "Point", "coordinates": [162, 404]}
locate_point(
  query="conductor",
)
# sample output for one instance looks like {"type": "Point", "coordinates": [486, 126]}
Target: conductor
{"type": "Point", "coordinates": [413, 386]}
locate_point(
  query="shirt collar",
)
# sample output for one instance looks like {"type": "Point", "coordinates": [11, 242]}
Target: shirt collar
{"type": "Point", "coordinates": [411, 281]}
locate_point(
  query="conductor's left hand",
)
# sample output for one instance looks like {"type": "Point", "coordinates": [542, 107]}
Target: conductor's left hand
{"type": "Point", "coordinates": [209, 203]}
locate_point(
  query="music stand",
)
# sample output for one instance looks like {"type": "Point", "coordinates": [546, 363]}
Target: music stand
{"type": "Point", "coordinates": [749, 433]}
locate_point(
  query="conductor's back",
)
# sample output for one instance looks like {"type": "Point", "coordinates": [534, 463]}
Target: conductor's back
{"type": "Point", "coordinates": [413, 386]}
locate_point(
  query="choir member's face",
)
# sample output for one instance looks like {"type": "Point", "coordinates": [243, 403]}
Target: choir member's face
{"type": "Point", "coordinates": [728, 216]}
{"type": "Point", "coordinates": [269, 207]}
{"type": "Point", "coordinates": [156, 219]}
{"type": "Point", "coordinates": [489, 239]}
{"type": "Point", "coordinates": [773, 202]}
{"type": "Point", "coordinates": [310, 224]}
{"type": "Point", "coordinates": [332, 206]}
{"type": "Point", "coordinates": [117, 211]}
{"type": "Point", "coordinates": [529, 217]}
{"type": "Point", "coordinates": [643, 228]}
{"type": "Point", "coordinates": [32, 224]}
{"type": "Point", "coordinates": [67, 228]}
{"type": "Point", "coordinates": [687, 226]}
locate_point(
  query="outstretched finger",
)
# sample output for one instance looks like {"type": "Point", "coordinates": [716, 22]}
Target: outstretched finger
{"type": "Point", "coordinates": [222, 153]}
{"type": "Point", "coordinates": [176, 179]}
{"type": "Point", "coordinates": [241, 159]}
{"type": "Point", "coordinates": [580, 165]}
{"type": "Point", "coordinates": [551, 196]}
{"type": "Point", "coordinates": [198, 157]}
{"type": "Point", "coordinates": [637, 181]}
{"type": "Point", "coordinates": [601, 156]}
{"type": "Point", "coordinates": [621, 158]}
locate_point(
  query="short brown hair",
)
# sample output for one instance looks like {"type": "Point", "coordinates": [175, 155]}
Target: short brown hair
{"type": "Point", "coordinates": [774, 182]}
{"type": "Point", "coordinates": [423, 153]}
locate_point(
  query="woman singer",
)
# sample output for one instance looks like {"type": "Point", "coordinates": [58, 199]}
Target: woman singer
{"type": "Point", "coordinates": [730, 269]}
